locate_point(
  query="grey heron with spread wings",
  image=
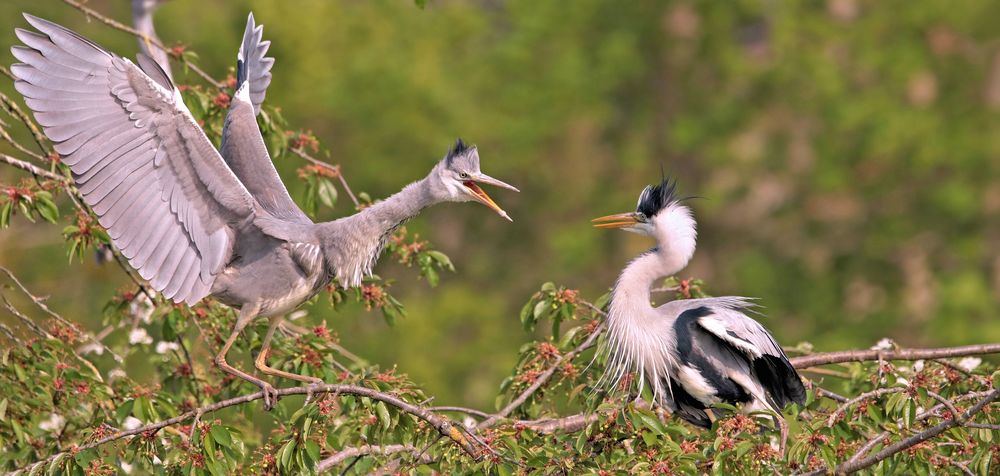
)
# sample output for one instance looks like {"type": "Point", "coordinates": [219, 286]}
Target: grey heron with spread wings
{"type": "Point", "coordinates": [195, 222]}
{"type": "Point", "coordinates": [694, 353]}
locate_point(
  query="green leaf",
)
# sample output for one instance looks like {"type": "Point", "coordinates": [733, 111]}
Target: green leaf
{"type": "Point", "coordinates": [442, 259]}
{"type": "Point", "coordinates": [312, 449]}
{"type": "Point", "coordinates": [383, 415]}
{"type": "Point", "coordinates": [527, 321]}
{"type": "Point", "coordinates": [284, 455]}
{"type": "Point", "coordinates": [327, 193]}
{"type": "Point", "coordinates": [46, 208]}
{"type": "Point", "coordinates": [221, 436]}
{"type": "Point", "coordinates": [3, 409]}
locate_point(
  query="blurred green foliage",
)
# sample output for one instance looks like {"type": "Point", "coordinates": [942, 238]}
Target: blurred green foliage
{"type": "Point", "coordinates": [844, 150]}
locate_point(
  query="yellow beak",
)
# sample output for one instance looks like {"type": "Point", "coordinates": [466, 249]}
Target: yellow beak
{"type": "Point", "coordinates": [483, 197]}
{"type": "Point", "coordinates": [620, 220]}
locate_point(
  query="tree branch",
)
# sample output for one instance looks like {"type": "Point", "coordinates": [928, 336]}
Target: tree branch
{"type": "Point", "coordinates": [34, 170]}
{"type": "Point", "coordinates": [386, 450]}
{"type": "Point", "coordinates": [826, 358]}
{"type": "Point", "coordinates": [444, 426]}
{"type": "Point", "coordinates": [954, 421]}
{"type": "Point", "coordinates": [542, 379]}
{"type": "Point", "coordinates": [138, 34]}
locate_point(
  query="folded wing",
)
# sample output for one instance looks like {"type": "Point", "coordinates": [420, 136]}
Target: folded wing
{"type": "Point", "coordinates": [242, 144]}
{"type": "Point", "coordinates": [165, 195]}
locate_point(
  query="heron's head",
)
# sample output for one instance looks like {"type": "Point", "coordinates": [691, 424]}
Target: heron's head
{"type": "Point", "coordinates": [658, 214]}
{"type": "Point", "coordinates": [457, 177]}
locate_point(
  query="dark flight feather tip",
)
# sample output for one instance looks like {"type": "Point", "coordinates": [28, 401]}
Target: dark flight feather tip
{"type": "Point", "coordinates": [657, 197]}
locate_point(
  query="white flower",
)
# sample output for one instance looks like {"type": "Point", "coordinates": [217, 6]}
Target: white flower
{"type": "Point", "coordinates": [902, 381]}
{"type": "Point", "coordinates": [884, 344]}
{"type": "Point", "coordinates": [163, 347]}
{"type": "Point", "coordinates": [970, 363]}
{"type": "Point", "coordinates": [131, 423]}
{"type": "Point", "coordinates": [139, 336]}
{"type": "Point", "coordinates": [918, 366]}
{"type": "Point", "coordinates": [156, 460]}
{"type": "Point", "coordinates": [92, 348]}
{"type": "Point", "coordinates": [126, 468]}
{"type": "Point", "coordinates": [53, 424]}
{"type": "Point", "coordinates": [116, 374]}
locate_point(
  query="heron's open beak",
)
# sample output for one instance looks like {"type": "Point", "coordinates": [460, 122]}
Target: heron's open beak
{"type": "Point", "coordinates": [481, 195]}
{"type": "Point", "coordinates": [620, 220]}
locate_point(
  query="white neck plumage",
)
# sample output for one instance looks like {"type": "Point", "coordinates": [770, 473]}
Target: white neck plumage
{"type": "Point", "coordinates": [637, 340]}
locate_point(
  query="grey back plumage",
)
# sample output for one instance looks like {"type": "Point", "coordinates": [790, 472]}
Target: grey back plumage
{"type": "Point", "coordinates": [140, 161]}
{"type": "Point", "coordinates": [242, 143]}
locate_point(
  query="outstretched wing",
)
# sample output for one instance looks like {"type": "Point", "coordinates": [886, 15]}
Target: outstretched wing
{"type": "Point", "coordinates": [155, 181]}
{"type": "Point", "coordinates": [242, 144]}
{"type": "Point", "coordinates": [251, 64]}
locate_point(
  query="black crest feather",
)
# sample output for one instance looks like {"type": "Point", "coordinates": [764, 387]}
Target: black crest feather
{"type": "Point", "coordinates": [458, 149]}
{"type": "Point", "coordinates": [657, 197]}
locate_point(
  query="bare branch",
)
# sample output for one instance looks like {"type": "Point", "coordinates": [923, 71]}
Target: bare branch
{"type": "Point", "coordinates": [386, 450]}
{"type": "Point", "coordinates": [37, 171]}
{"type": "Point", "coordinates": [14, 110]}
{"type": "Point", "coordinates": [826, 358]}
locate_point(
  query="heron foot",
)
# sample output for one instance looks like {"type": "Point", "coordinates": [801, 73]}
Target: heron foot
{"type": "Point", "coordinates": [270, 396]}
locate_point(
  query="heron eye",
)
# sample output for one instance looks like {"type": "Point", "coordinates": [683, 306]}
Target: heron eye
{"type": "Point", "coordinates": [464, 175]}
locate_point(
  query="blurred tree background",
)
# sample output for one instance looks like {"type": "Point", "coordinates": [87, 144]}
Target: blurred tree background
{"type": "Point", "coordinates": [843, 150]}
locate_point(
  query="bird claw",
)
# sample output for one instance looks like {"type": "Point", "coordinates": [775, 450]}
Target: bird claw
{"type": "Point", "coordinates": [270, 396]}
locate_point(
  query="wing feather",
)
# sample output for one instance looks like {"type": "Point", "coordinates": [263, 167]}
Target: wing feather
{"type": "Point", "coordinates": [166, 196]}
{"type": "Point", "coordinates": [242, 144]}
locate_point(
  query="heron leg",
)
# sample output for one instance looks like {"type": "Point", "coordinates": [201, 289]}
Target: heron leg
{"type": "Point", "coordinates": [261, 361]}
{"type": "Point", "coordinates": [783, 427]}
{"type": "Point", "coordinates": [247, 314]}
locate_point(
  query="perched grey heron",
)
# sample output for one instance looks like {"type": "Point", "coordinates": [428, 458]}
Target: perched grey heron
{"type": "Point", "coordinates": [195, 223]}
{"type": "Point", "coordinates": [695, 353]}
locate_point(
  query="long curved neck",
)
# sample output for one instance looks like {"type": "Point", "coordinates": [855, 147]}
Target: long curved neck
{"type": "Point", "coordinates": [353, 244]}
{"type": "Point", "coordinates": [640, 339]}
{"type": "Point", "coordinates": [632, 289]}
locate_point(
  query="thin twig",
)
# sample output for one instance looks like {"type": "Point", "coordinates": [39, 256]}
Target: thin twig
{"type": "Point", "coordinates": [138, 34]}
{"type": "Point", "coordinates": [41, 305]}
{"type": "Point", "coordinates": [468, 411]}
{"type": "Point", "coordinates": [333, 168]}
{"type": "Point", "coordinates": [30, 168]}
{"type": "Point", "coordinates": [542, 379]}
{"type": "Point", "coordinates": [14, 110]}
{"type": "Point", "coordinates": [878, 392]}
{"type": "Point", "coordinates": [10, 334]}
